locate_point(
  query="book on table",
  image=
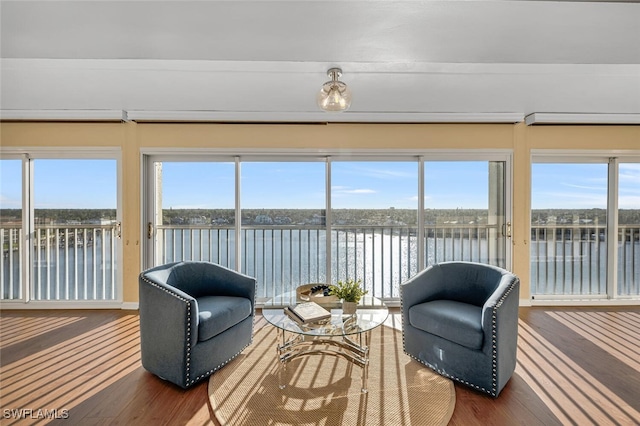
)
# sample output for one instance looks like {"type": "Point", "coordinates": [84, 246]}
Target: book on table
{"type": "Point", "coordinates": [307, 312]}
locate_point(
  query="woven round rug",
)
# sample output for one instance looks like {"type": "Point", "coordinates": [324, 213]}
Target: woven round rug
{"type": "Point", "coordinates": [326, 390]}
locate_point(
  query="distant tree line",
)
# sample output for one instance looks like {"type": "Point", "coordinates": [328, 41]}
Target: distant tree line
{"type": "Point", "coordinates": [349, 216]}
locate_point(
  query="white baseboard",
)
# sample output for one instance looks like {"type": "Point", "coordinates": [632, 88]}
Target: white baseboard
{"type": "Point", "coordinates": [130, 306]}
{"type": "Point", "coordinates": [67, 304]}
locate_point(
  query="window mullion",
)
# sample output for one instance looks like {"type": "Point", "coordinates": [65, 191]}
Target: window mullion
{"type": "Point", "coordinates": [238, 225]}
{"type": "Point", "coordinates": [328, 221]}
{"type": "Point", "coordinates": [28, 226]}
{"type": "Point", "coordinates": [420, 218]}
{"type": "Point", "coordinates": [612, 229]}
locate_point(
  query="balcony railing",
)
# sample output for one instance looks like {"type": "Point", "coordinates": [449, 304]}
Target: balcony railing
{"type": "Point", "coordinates": [73, 262]}
{"type": "Point", "coordinates": [283, 257]}
{"type": "Point", "coordinates": [571, 260]}
{"type": "Point", "coordinates": [10, 263]}
{"type": "Point", "coordinates": [78, 262]}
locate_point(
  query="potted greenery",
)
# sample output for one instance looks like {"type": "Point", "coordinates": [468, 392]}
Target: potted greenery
{"type": "Point", "coordinates": [350, 292]}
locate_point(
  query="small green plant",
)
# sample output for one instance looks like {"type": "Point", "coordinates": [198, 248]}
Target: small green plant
{"type": "Point", "coordinates": [348, 291]}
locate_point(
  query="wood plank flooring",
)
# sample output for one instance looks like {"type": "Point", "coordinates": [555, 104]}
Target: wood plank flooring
{"type": "Point", "coordinates": [575, 366]}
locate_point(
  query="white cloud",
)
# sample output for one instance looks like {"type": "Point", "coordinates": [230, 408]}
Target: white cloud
{"type": "Point", "coordinates": [358, 191]}
{"type": "Point", "coordinates": [589, 187]}
{"type": "Point", "coordinates": [346, 190]}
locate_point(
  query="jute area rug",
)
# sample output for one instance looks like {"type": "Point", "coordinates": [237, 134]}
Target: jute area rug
{"type": "Point", "coordinates": [325, 390]}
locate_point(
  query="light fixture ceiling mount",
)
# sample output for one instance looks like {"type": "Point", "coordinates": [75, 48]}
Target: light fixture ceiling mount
{"type": "Point", "coordinates": [335, 95]}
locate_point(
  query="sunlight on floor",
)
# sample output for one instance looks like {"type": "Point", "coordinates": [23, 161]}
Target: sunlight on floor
{"type": "Point", "coordinates": [64, 375]}
{"type": "Point", "coordinates": [18, 329]}
{"type": "Point", "coordinates": [623, 332]}
{"type": "Point", "coordinates": [567, 388]}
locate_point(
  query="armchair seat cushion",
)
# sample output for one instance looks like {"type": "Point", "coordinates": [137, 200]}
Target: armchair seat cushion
{"type": "Point", "coordinates": [457, 322]}
{"type": "Point", "coordinates": [219, 313]}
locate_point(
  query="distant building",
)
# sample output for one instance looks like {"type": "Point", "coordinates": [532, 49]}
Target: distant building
{"type": "Point", "coordinates": [199, 220]}
{"type": "Point", "coordinates": [102, 222]}
{"type": "Point", "coordinates": [263, 219]}
{"type": "Point", "coordinates": [282, 220]}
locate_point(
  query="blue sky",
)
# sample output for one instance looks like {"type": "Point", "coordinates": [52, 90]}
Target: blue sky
{"type": "Point", "coordinates": [374, 185]}
{"type": "Point", "coordinates": [61, 184]}
{"type": "Point", "coordinates": [92, 184]}
{"type": "Point", "coordinates": [582, 186]}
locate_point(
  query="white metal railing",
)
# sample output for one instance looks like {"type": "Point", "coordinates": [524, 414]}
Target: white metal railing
{"type": "Point", "coordinates": [10, 263]}
{"type": "Point", "coordinates": [628, 260]}
{"type": "Point", "coordinates": [571, 260]}
{"type": "Point", "coordinates": [70, 262]}
{"type": "Point", "coordinates": [78, 262]}
{"type": "Point", "coordinates": [283, 257]}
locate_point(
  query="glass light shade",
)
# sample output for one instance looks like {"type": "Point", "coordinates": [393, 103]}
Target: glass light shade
{"type": "Point", "coordinates": [334, 96]}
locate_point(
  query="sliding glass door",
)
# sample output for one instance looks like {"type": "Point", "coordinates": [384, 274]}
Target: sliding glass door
{"type": "Point", "coordinates": [283, 224]}
{"type": "Point", "coordinates": [374, 216]}
{"type": "Point", "coordinates": [585, 227]}
{"type": "Point", "coordinates": [628, 274]}
{"type": "Point", "coordinates": [465, 216]}
{"type": "Point", "coordinates": [569, 229]}
{"type": "Point", "coordinates": [75, 254]}
{"type": "Point", "coordinates": [192, 212]}
{"type": "Point", "coordinates": [60, 228]}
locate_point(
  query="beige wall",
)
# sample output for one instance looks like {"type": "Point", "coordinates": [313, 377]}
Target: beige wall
{"type": "Point", "coordinates": [132, 137]}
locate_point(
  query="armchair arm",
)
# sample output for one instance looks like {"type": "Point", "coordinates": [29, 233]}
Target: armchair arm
{"type": "Point", "coordinates": [167, 314]}
{"type": "Point", "coordinates": [502, 300]}
{"type": "Point", "coordinates": [500, 315]}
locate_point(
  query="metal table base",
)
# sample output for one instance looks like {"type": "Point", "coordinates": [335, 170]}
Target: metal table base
{"type": "Point", "coordinates": [299, 345]}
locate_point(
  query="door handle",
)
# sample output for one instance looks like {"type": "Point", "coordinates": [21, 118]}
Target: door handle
{"type": "Point", "coordinates": [506, 229]}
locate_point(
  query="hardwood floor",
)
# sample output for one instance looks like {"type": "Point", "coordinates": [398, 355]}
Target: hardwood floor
{"type": "Point", "coordinates": [575, 366]}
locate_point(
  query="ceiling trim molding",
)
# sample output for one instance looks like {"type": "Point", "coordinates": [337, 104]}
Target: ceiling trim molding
{"type": "Point", "coordinates": [317, 67]}
{"type": "Point", "coordinates": [63, 115]}
{"type": "Point", "coordinates": [322, 117]}
{"type": "Point", "coordinates": [569, 118]}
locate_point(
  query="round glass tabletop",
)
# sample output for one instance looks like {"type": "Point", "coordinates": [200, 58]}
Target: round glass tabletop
{"type": "Point", "coordinates": [370, 313]}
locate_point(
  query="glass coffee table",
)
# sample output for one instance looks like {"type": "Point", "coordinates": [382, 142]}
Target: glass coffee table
{"type": "Point", "coordinates": [346, 336]}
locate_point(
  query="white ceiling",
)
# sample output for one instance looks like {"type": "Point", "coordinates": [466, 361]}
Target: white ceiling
{"type": "Point", "coordinates": [265, 60]}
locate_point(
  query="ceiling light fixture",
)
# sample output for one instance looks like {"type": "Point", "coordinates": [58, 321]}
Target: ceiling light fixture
{"type": "Point", "coordinates": [335, 95]}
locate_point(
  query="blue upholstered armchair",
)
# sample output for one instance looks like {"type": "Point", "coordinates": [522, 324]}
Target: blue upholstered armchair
{"type": "Point", "coordinates": [194, 318]}
{"type": "Point", "coordinates": [461, 320]}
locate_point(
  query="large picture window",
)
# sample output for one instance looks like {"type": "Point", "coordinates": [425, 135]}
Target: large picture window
{"type": "Point", "coordinates": [301, 219]}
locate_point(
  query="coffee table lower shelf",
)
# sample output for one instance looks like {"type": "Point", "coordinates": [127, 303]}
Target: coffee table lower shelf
{"type": "Point", "coordinates": [300, 345]}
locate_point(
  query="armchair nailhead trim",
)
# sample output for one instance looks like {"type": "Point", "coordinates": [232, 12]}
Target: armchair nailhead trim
{"type": "Point", "coordinates": [494, 351]}
{"type": "Point", "coordinates": [188, 349]}
{"type": "Point", "coordinates": [494, 354]}
{"type": "Point", "coordinates": [177, 296]}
